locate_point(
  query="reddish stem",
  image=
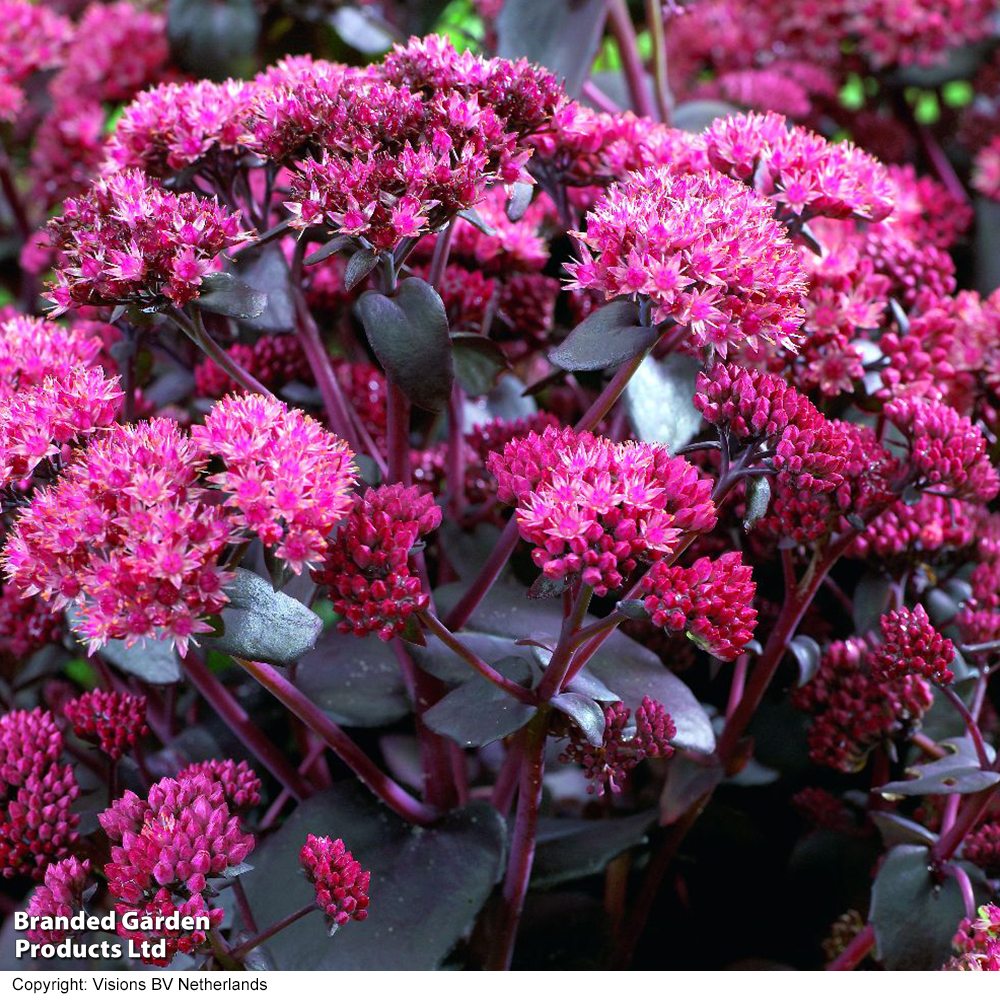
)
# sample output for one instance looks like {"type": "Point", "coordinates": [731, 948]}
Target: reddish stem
{"type": "Point", "coordinates": [855, 952]}
{"type": "Point", "coordinates": [280, 925]}
{"type": "Point", "coordinates": [628, 48]}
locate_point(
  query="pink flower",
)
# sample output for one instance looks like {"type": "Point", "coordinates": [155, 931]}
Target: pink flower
{"type": "Point", "coordinates": [61, 895]}
{"type": "Point", "coordinates": [607, 766]}
{"type": "Point", "coordinates": [273, 360]}
{"type": "Point", "coordinates": [341, 885]}
{"type": "Point", "coordinates": [129, 537]}
{"type": "Point", "coordinates": [36, 793]}
{"type": "Point", "coordinates": [39, 422]}
{"type": "Point", "coordinates": [27, 624]}
{"type": "Point", "coordinates": [947, 453]}
{"type": "Point", "coordinates": [126, 241]}
{"type": "Point", "coordinates": [711, 600]}
{"type": "Point", "coordinates": [978, 942]}
{"type": "Point", "coordinates": [852, 710]}
{"type": "Point", "coordinates": [178, 837]}
{"type": "Point", "coordinates": [239, 782]}
{"type": "Point", "coordinates": [986, 171]}
{"type": "Point", "coordinates": [594, 507]}
{"type": "Point", "coordinates": [705, 251]}
{"type": "Point", "coordinates": [178, 125]}
{"type": "Point", "coordinates": [288, 477]}
{"type": "Point", "coordinates": [367, 566]}
{"type": "Point", "coordinates": [911, 645]}
{"type": "Point", "coordinates": [162, 905]}
{"type": "Point", "coordinates": [32, 350]}
{"type": "Point", "coordinates": [982, 847]}
{"type": "Point", "coordinates": [803, 173]}
{"type": "Point", "coordinates": [112, 720]}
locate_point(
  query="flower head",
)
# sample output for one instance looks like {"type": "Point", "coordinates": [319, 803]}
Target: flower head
{"type": "Point", "coordinates": [288, 477]}
{"type": "Point", "coordinates": [711, 600]}
{"type": "Point", "coordinates": [128, 536]}
{"type": "Point", "coordinates": [911, 645]}
{"type": "Point", "coordinates": [706, 252]}
{"type": "Point", "coordinates": [37, 423]}
{"type": "Point", "coordinates": [239, 782]}
{"type": "Point", "coordinates": [341, 885]}
{"type": "Point", "coordinates": [179, 836]}
{"type": "Point", "coordinates": [367, 566]}
{"type": "Point", "coordinates": [803, 173]}
{"type": "Point", "coordinates": [162, 905]}
{"type": "Point", "coordinates": [624, 747]}
{"type": "Point", "coordinates": [60, 895]}
{"type": "Point", "coordinates": [594, 507]}
{"type": "Point", "coordinates": [27, 624]}
{"type": "Point", "coordinates": [127, 241]}
{"type": "Point", "coordinates": [32, 350]}
{"type": "Point", "coordinates": [113, 720]}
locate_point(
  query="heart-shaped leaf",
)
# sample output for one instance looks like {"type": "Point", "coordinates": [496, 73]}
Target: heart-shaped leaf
{"type": "Point", "coordinates": [901, 830]}
{"type": "Point", "coordinates": [427, 886]}
{"type": "Point", "coordinates": [479, 362]}
{"type": "Point", "coordinates": [226, 295]}
{"type": "Point", "coordinates": [609, 336]}
{"type": "Point", "coordinates": [659, 398]}
{"type": "Point", "coordinates": [958, 773]}
{"type": "Point", "coordinates": [478, 712]}
{"type": "Point", "coordinates": [260, 623]}
{"type": "Point", "coordinates": [360, 264]}
{"type": "Point", "coordinates": [409, 335]}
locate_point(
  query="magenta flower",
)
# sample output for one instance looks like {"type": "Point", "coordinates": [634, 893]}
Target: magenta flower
{"type": "Point", "coordinates": [911, 645]}
{"type": "Point", "coordinates": [978, 941]}
{"type": "Point", "coordinates": [112, 720]}
{"type": "Point", "coordinates": [854, 711]}
{"type": "Point", "coordinates": [711, 601]}
{"type": "Point", "coordinates": [606, 767]}
{"type": "Point", "coordinates": [341, 885]}
{"type": "Point", "coordinates": [239, 782]}
{"type": "Point", "coordinates": [931, 524]}
{"type": "Point", "coordinates": [61, 895]}
{"type": "Point", "coordinates": [367, 566]}
{"type": "Point", "coordinates": [36, 793]}
{"type": "Point", "coordinates": [39, 422]}
{"type": "Point", "coordinates": [127, 241]}
{"type": "Point", "coordinates": [178, 837]}
{"type": "Point", "coordinates": [705, 251]}
{"type": "Point", "coordinates": [288, 478]}
{"type": "Point", "coordinates": [986, 174]}
{"type": "Point", "coordinates": [32, 350]}
{"type": "Point", "coordinates": [982, 847]}
{"type": "Point", "coordinates": [947, 452]}
{"type": "Point", "coordinates": [27, 624]}
{"type": "Point", "coordinates": [273, 360]}
{"type": "Point", "coordinates": [162, 905]}
{"type": "Point", "coordinates": [594, 508]}
{"type": "Point", "coordinates": [129, 537]}
{"type": "Point", "coordinates": [179, 125]}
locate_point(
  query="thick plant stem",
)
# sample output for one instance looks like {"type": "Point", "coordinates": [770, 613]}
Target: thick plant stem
{"type": "Point", "coordinates": [522, 848]}
{"type": "Point", "coordinates": [969, 815]}
{"type": "Point", "coordinates": [367, 771]}
{"type": "Point", "coordinates": [972, 728]}
{"type": "Point", "coordinates": [855, 952]}
{"type": "Point", "coordinates": [398, 435]}
{"type": "Point", "coordinates": [236, 718]}
{"type": "Point", "coordinates": [628, 48]}
{"type": "Point", "coordinates": [481, 667]}
{"type": "Point", "coordinates": [222, 358]}
{"type": "Point", "coordinates": [268, 932]}
{"type": "Point", "coordinates": [559, 666]}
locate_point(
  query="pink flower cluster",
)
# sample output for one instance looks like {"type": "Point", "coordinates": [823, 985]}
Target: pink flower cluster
{"type": "Point", "coordinates": [706, 252]}
{"type": "Point", "coordinates": [367, 566]}
{"type": "Point", "coordinates": [39, 422]}
{"type": "Point", "coordinates": [607, 766]}
{"type": "Point", "coordinates": [32, 350]}
{"type": "Point", "coordinates": [803, 173]}
{"type": "Point", "coordinates": [911, 645]}
{"type": "Point", "coordinates": [982, 847]}
{"type": "Point", "coordinates": [288, 478]}
{"type": "Point", "coordinates": [179, 836]}
{"type": "Point", "coordinates": [595, 507]}
{"type": "Point", "coordinates": [711, 601]}
{"type": "Point", "coordinates": [37, 826]}
{"type": "Point", "coordinates": [978, 942]}
{"type": "Point", "coordinates": [341, 885]}
{"type": "Point", "coordinates": [239, 782]}
{"type": "Point", "coordinates": [180, 125]}
{"type": "Point", "coordinates": [129, 537]}
{"type": "Point", "coordinates": [161, 906]}
{"type": "Point", "coordinates": [127, 241]}
{"type": "Point", "coordinates": [27, 624]}
{"type": "Point", "coordinates": [31, 38]}
{"type": "Point", "coordinates": [852, 710]}
{"type": "Point", "coordinates": [113, 720]}
{"type": "Point", "coordinates": [947, 452]}
{"type": "Point", "coordinates": [60, 895]}
{"type": "Point", "coordinates": [273, 360]}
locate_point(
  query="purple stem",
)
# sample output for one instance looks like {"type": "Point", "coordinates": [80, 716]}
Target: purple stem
{"type": "Point", "coordinates": [654, 21]}
{"type": "Point", "coordinates": [259, 939]}
{"type": "Point", "coordinates": [367, 771]}
{"type": "Point", "coordinates": [628, 48]}
{"type": "Point", "coordinates": [599, 99]}
{"type": "Point", "coordinates": [235, 716]}
{"type": "Point", "coordinates": [961, 876]}
{"type": "Point", "coordinates": [970, 725]}
{"type": "Point", "coordinates": [855, 952]}
{"type": "Point", "coordinates": [398, 435]}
